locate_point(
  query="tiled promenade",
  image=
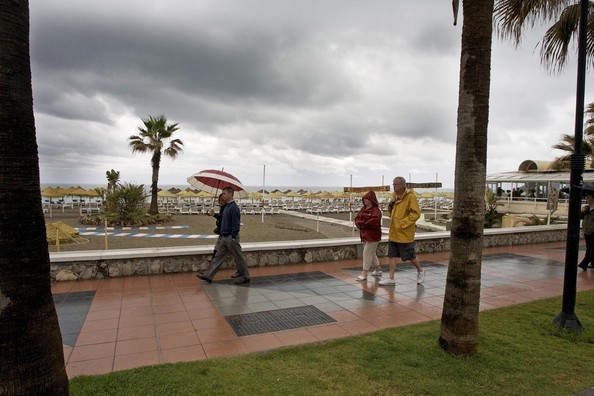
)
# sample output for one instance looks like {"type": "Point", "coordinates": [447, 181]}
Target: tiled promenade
{"type": "Point", "coordinates": [120, 323]}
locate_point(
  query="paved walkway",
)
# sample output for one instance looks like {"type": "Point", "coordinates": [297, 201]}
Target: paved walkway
{"type": "Point", "coordinates": [121, 323]}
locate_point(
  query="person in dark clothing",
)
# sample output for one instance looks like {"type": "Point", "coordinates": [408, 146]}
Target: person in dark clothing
{"type": "Point", "coordinates": [230, 225]}
{"type": "Point", "coordinates": [588, 226]}
{"type": "Point", "coordinates": [217, 229]}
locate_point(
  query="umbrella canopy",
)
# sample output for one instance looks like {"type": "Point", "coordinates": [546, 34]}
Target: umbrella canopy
{"type": "Point", "coordinates": [213, 181]}
{"type": "Point", "coordinates": [52, 192]}
{"type": "Point", "coordinates": [166, 194]}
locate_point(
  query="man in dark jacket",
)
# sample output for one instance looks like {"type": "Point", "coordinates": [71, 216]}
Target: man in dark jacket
{"type": "Point", "coordinates": [588, 226]}
{"type": "Point", "coordinates": [229, 244]}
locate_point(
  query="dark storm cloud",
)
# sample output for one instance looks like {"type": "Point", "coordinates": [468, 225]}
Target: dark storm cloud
{"type": "Point", "coordinates": [314, 87]}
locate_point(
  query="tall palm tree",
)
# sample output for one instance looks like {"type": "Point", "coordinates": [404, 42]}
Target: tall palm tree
{"type": "Point", "coordinates": [153, 138]}
{"type": "Point", "coordinates": [512, 16]}
{"type": "Point", "coordinates": [113, 178]}
{"type": "Point", "coordinates": [567, 143]}
{"type": "Point", "coordinates": [459, 320]}
{"type": "Point", "coordinates": [31, 351]}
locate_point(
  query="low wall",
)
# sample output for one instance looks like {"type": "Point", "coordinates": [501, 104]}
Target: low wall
{"type": "Point", "coordinates": [99, 264]}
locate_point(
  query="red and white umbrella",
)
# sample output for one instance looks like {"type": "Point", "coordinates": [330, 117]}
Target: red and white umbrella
{"type": "Point", "coordinates": [213, 181]}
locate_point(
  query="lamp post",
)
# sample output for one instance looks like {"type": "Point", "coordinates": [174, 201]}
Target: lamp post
{"type": "Point", "coordinates": [567, 318]}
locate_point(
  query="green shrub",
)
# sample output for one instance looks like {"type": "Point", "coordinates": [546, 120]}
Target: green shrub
{"type": "Point", "coordinates": [126, 205]}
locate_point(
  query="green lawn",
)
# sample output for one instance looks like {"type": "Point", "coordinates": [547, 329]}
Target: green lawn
{"type": "Point", "coordinates": [520, 353]}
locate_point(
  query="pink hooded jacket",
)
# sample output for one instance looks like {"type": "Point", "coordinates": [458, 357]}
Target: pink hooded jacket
{"type": "Point", "coordinates": [369, 220]}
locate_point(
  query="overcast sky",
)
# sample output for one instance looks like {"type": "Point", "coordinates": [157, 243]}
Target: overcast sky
{"type": "Point", "coordinates": [315, 91]}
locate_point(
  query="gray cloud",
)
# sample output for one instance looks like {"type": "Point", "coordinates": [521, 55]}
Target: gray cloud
{"type": "Point", "coordinates": [319, 90]}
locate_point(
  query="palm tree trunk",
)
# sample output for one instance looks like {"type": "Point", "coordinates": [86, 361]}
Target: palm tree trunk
{"type": "Point", "coordinates": [459, 321]}
{"type": "Point", "coordinates": [156, 163]}
{"type": "Point", "coordinates": [31, 354]}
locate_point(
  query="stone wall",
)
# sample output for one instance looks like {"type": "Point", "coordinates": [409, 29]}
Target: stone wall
{"type": "Point", "coordinates": [128, 262]}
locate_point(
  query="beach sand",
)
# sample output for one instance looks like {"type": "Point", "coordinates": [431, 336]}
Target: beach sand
{"type": "Point", "coordinates": [276, 227]}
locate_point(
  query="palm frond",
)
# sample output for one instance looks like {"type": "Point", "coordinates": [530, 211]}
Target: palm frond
{"type": "Point", "coordinates": [555, 43]}
{"type": "Point", "coordinates": [510, 17]}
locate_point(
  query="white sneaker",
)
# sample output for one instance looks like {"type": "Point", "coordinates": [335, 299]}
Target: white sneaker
{"type": "Point", "coordinates": [420, 277]}
{"type": "Point", "coordinates": [387, 282]}
{"type": "Point", "coordinates": [376, 273]}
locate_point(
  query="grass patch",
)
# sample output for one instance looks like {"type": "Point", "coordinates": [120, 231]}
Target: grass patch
{"type": "Point", "coordinates": [520, 353]}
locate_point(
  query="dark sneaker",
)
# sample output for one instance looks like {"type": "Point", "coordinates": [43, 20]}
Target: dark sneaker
{"type": "Point", "coordinates": [241, 280]}
{"type": "Point", "coordinates": [200, 275]}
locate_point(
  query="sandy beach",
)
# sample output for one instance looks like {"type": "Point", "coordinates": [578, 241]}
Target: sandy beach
{"type": "Point", "coordinates": [276, 227]}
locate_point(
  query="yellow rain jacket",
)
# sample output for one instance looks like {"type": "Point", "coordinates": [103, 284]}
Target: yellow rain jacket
{"type": "Point", "coordinates": [404, 215]}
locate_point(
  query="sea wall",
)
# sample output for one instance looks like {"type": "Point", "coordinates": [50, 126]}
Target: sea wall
{"type": "Point", "coordinates": [100, 264]}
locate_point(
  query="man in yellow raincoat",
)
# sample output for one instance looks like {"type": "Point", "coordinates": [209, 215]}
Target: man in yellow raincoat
{"type": "Point", "coordinates": [404, 213]}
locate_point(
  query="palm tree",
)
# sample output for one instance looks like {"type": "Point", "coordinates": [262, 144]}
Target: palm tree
{"type": "Point", "coordinates": [31, 351]}
{"type": "Point", "coordinates": [153, 138]}
{"type": "Point", "coordinates": [113, 178]}
{"type": "Point", "coordinates": [567, 143]}
{"type": "Point", "coordinates": [511, 16]}
{"type": "Point", "coordinates": [459, 320]}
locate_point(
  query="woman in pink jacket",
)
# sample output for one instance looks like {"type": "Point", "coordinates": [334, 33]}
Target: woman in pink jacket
{"type": "Point", "coordinates": [369, 223]}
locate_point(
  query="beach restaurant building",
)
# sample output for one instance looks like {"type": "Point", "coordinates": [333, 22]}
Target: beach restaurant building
{"type": "Point", "coordinates": [534, 188]}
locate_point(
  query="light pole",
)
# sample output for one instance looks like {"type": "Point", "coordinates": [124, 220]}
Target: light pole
{"type": "Point", "coordinates": [567, 318]}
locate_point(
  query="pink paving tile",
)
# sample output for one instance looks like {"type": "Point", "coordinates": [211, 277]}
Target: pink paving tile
{"type": "Point", "coordinates": [183, 354]}
{"type": "Point", "coordinates": [170, 341]}
{"type": "Point", "coordinates": [390, 320]}
{"type": "Point", "coordinates": [167, 300]}
{"type": "Point", "coordinates": [89, 367]}
{"type": "Point", "coordinates": [124, 362]}
{"type": "Point", "coordinates": [103, 314]}
{"type": "Point", "coordinates": [296, 337]}
{"type": "Point", "coordinates": [170, 308]}
{"type": "Point", "coordinates": [328, 332]}
{"type": "Point", "coordinates": [171, 317]}
{"type": "Point", "coordinates": [133, 321]}
{"type": "Point", "coordinates": [108, 298]}
{"type": "Point", "coordinates": [436, 301]}
{"type": "Point", "coordinates": [136, 301]}
{"type": "Point", "coordinates": [208, 311]}
{"type": "Point", "coordinates": [432, 312]}
{"type": "Point", "coordinates": [343, 316]}
{"type": "Point", "coordinates": [136, 282]}
{"type": "Point", "coordinates": [196, 302]}
{"type": "Point", "coordinates": [97, 337]}
{"type": "Point", "coordinates": [99, 304]}
{"type": "Point", "coordinates": [61, 287]}
{"type": "Point", "coordinates": [358, 327]}
{"type": "Point", "coordinates": [89, 284]}
{"type": "Point", "coordinates": [90, 352]}
{"type": "Point", "coordinates": [413, 317]}
{"type": "Point", "coordinates": [139, 345]}
{"type": "Point", "coordinates": [96, 325]}
{"type": "Point", "coordinates": [210, 323]}
{"type": "Point", "coordinates": [67, 351]}
{"type": "Point", "coordinates": [224, 348]}
{"type": "Point", "coordinates": [175, 327]}
{"type": "Point", "coordinates": [215, 335]}
{"type": "Point", "coordinates": [131, 333]}
{"type": "Point", "coordinates": [136, 311]}
{"type": "Point", "coordinates": [261, 342]}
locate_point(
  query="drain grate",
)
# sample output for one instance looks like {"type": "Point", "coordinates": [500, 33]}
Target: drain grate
{"type": "Point", "coordinates": [277, 320]}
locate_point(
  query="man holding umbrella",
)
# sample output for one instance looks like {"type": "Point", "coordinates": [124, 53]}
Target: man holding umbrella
{"type": "Point", "coordinates": [230, 224]}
